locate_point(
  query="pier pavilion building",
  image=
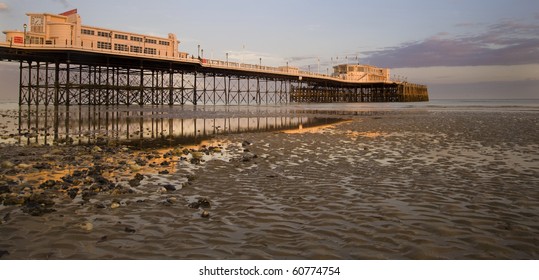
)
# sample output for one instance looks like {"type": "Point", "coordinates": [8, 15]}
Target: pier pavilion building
{"type": "Point", "coordinates": [66, 30]}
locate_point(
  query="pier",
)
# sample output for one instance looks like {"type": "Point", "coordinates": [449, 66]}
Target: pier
{"type": "Point", "coordinates": [92, 66]}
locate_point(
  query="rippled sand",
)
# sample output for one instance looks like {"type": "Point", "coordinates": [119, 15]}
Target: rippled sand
{"type": "Point", "coordinates": [403, 185]}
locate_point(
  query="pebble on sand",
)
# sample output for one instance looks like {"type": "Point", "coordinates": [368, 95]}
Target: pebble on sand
{"type": "Point", "coordinates": [129, 229]}
{"type": "Point", "coordinates": [197, 155]}
{"type": "Point", "coordinates": [6, 164]}
{"type": "Point", "coordinates": [87, 226]}
{"type": "Point", "coordinates": [24, 166]}
{"type": "Point", "coordinates": [205, 214]}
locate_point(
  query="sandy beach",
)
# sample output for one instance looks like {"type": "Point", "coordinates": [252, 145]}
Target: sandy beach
{"type": "Point", "coordinates": [404, 184]}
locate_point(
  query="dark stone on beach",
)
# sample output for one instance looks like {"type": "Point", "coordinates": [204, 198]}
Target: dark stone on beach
{"type": "Point", "coordinates": [100, 180]}
{"type": "Point", "coordinates": [191, 177]}
{"type": "Point", "coordinates": [3, 253]}
{"type": "Point", "coordinates": [69, 159]}
{"type": "Point", "coordinates": [42, 165]}
{"type": "Point", "coordinates": [165, 163]}
{"type": "Point", "coordinates": [80, 173]}
{"type": "Point", "coordinates": [195, 161]}
{"type": "Point", "coordinates": [119, 189]}
{"type": "Point", "coordinates": [38, 205]}
{"type": "Point", "coordinates": [48, 184]}
{"type": "Point", "coordinates": [141, 162]}
{"type": "Point", "coordinates": [72, 193]}
{"type": "Point", "coordinates": [129, 229]}
{"type": "Point", "coordinates": [35, 209]}
{"type": "Point", "coordinates": [68, 179]}
{"type": "Point", "coordinates": [201, 203]}
{"type": "Point", "coordinates": [169, 188]}
{"type": "Point", "coordinates": [102, 239]}
{"type": "Point", "coordinates": [94, 171]}
{"type": "Point", "coordinates": [13, 200]}
{"type": "Point", "coordinates": [139, 177]}
{"type": "Point", "coordinates": [100, 206]}
{"type": "Point", "coordinates": [164, 172]}
{"type": "Point", "coordinates": [4, 189]}
{"type": "Point", "coordinates": [245, 143]}
{"type": "Point", "coordinates": [248, 157]}
{"type": "Point", "coordinates": [87, 194]}
{"type": "Point", "coordinates": [136, 181]}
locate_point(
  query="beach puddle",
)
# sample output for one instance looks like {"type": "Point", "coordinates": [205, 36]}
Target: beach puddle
{"type": "Point", "coordinates": [144, 127]}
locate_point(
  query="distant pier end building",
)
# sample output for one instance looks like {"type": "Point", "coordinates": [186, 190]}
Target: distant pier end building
{"type": "Point", "coordinates": [361, 73]}
{"type": "Point", "coordinates": [63, 61]}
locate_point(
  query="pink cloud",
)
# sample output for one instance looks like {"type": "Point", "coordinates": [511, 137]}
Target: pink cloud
{"type": "Point", "coordinates": [504, 43]}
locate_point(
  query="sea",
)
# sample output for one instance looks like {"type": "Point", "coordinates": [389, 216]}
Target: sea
{"type": "Point", "coordinates": [151, 125]}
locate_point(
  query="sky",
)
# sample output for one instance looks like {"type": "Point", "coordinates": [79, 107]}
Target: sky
{"type": "Point", "coordinates": [474, 49]}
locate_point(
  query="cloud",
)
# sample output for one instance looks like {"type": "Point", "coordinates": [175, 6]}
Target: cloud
{"type": "Point", "coordinates": [3, 7]}
{"type": "Point", "coordinates": [503, 43]}
{"type": "Point", "coordinates": [65, 3]}
{"type": "Point", "coordinates": [253, 57]}
{"type": "Point", "coordinates": [295, 59]}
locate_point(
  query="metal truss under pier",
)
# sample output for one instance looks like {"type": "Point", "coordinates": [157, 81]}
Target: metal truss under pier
{"type": "Point", "coordinates": [60, 84]}
{"type": "Point", "coordinates": [375, 92]}
{"type": "Point", "coordinates": [74, 77]}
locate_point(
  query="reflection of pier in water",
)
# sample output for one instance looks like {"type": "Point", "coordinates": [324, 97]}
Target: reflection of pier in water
{"type": "Point", "coordinates": [148, 126]}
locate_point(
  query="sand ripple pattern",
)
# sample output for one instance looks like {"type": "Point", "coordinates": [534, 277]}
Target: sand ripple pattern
{"type": "Point", "coordinates": [422, 185]}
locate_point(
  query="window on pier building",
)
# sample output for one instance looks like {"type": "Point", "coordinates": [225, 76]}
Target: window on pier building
{"type": "Point", "coordinates": [87, 31]}
{"type": "Point", "coordinates": [37, 40]}
{"type": "Point", "coordinates": [150, 51]}
{"type": "Point", "coordinates": [136, 49]}
{"type": "Point", "coordinates": [136, 39]}
{"type": "Point", "coordinates": [103, 45]}
{"type": "Point", "coordinates": [150, 41]}
{"type": "Point", "coordinates": [104, 34]}
{"type": "Point", "coordinates": [121, 47]}
{"type": "Point", "coordinates": [164, 43]}
{"type": "Point", "coordinates": [120, 36]}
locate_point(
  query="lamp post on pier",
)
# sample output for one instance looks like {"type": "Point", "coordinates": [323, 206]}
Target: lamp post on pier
{"type": "Point", "coordinates": [24, 26]}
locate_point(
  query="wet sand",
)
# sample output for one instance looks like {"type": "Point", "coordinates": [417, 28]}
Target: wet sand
{"type": "Point", "coordinates": [412, 184]}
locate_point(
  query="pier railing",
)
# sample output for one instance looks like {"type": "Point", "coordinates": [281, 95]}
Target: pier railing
{"type": "Point", "coordinates": [204, 62]}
